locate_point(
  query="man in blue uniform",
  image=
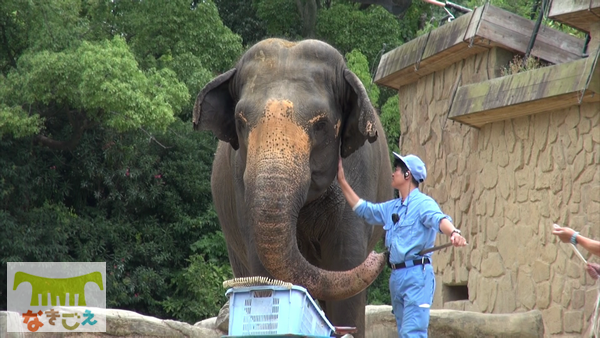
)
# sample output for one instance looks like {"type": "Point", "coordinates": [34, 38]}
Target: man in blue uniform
{"type": "Point", "coordinates": [411, 223]}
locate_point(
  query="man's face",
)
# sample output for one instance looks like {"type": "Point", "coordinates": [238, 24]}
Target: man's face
{"type": "Point", "coordinates": [398, 178]}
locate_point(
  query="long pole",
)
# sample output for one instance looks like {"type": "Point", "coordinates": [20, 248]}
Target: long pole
{"type": "Point", "coordinates": [434, 2]}
{"type": "Point", "coordinates": [449, 4]}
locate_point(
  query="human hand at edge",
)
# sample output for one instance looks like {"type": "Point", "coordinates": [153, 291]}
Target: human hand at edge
{"type": "Point", "coordinates": [593, 270]}
{"type": "Point", "coordinates": [340, 174]}
{"type": "Point", "coordinates": [563, 233]}
{"type": "Point", "coordinates": [458, 240]}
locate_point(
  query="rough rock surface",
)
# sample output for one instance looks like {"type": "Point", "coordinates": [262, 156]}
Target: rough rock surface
{"type": "Point", "coordinates": [451, 323]}
{"type": "Point", "coordinates": [120, 323]}
{"type": "Point", "coordinates": [379, 319]}
{"type": "Point", "coordinates": [222, 321]}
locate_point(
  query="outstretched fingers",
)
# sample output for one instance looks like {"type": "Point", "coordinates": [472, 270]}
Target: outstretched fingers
{"type": "Point", "coordinates": [340, 174]}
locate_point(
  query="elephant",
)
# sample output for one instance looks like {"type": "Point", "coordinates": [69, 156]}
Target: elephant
{"type": "Point", "coordinates": [284, 115]}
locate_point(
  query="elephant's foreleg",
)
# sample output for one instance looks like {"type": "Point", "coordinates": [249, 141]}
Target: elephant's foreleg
{"type": "Point", "coordinates": [348, 312]}
{"type": "Point", "coordinates": [256, 266]}
{"type": "Point", "coordinates": [238, 265]}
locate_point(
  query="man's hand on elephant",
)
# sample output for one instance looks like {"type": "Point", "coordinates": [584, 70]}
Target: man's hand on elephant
{"type": "Point", "coordinates": [351, 197]}
{"type": "Point", "coordinates": [340, 174]}
{"type": "Point", "coordinates": [593, 270]}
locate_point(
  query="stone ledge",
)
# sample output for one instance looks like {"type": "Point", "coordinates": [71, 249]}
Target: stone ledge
{"type": "Point", "coordinates": [121, 323]}
{"type": "Point", "coordinates": [527, 93]}
{"type": "Point", "coordinates": [458, 324]}
{"type": "Point", "coordinates": [379, 320]}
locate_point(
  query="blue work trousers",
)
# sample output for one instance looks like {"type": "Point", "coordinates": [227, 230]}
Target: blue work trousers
{"type": "Point", "coordinates": [412, 291]}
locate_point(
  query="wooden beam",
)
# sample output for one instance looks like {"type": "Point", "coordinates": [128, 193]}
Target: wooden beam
{"type": "Point", "coordinates": [478, 120]}
{"type": "Point", "coordinates": [444, 38]}
{"type": "Point", "coordinates": [575, 13]}
{"type": "Point", "coordinates": [399, 63]}
{"type": "Point", "coordinates": [514, 32]}
{"type": "Point", "coordinates": [429, 53]}
{"type": "Point", "coordinates": [470, 34]}
{"type": "Point", "coordinates": [527, 93]}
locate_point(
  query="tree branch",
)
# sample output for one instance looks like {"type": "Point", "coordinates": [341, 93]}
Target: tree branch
{"type": "Point", "coordinates": [47, 25]}
{"type": "Point", "coordinates": [152, 138]}
{"type": "Point", "coordinates": [13, 62]}
{"type": "Point", "coordinates": [79, 126]}
{"type": "Point", "coordinates": [308, 14]}
{"type": "Point", "coordinates": [48, 111]}
{"type": "Point", "coordinates": [396, 7]}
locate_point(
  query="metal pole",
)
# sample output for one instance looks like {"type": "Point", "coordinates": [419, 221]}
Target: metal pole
{"type": "Point", "coordinates": [536, 28]}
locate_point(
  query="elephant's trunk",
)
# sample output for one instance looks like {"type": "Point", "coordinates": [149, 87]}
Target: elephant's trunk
{"type": "Point", "coordinates": [277, 179]}
{"type": "Point", "coordinates": [274, 213]}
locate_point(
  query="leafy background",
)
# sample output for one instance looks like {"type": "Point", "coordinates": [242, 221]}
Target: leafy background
{"type": "Point", "coordinates": [98, 160]}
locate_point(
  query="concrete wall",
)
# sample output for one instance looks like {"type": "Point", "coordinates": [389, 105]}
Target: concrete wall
{"type": "Point", "coordinates": [505, 185]}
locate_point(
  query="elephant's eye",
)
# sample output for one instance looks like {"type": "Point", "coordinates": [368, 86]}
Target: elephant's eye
{"type": "Point", "coordinates": [240, 121]}
{"type": "Point", "coordinates": [320, 125]}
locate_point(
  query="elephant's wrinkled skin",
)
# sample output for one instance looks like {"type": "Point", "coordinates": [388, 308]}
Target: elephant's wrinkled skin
{"type": "Point", "coordinates": [283, 115]}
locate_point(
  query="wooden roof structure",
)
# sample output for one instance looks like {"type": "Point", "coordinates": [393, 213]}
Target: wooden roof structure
{"type": "Point", "coordinates": [578, 14]}
{"type": "Point", "coordinates": [473, 33]}
{"type": "Point", "coordinates": [574, 79]}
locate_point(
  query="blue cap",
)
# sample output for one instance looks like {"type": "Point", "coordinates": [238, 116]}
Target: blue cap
{"type": "Point", "coordinates": [415, 165]}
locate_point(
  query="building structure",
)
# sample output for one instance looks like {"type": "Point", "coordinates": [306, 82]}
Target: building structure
{"type": "Point", "coordinates": [508, 156]}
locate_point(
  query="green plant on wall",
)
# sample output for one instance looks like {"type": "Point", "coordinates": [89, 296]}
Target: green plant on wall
{"type": "Point", "coordinates": [521, 64]}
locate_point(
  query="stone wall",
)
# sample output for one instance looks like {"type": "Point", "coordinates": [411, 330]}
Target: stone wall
{"type": "Point", "coordinates": [380, 323]}
{"type": "Point", "coordinates": [505, 185]}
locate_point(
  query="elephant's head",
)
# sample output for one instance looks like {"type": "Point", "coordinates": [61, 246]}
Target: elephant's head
{"type": "Point", "coordinates": [290, 109]}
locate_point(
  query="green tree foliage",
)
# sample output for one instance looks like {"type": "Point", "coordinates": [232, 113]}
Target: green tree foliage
{"type": "Point", "coordinates": [98, 161]}
{"type": "Point", "coordinates": [142, 207]}
{"type": "Point", "coordinates": [346, 27]}
{"type": "Point", "coordinates": [281, 17]}
{"type": "Point", "coordinates": [158, 31]}
{"type": "Point", "coordinates": [241, 18]}
{"type": "Point", "coordinates": [16, 121]}
{"type": "Point", "coordinates": [145, 75]}
{"type": "Point", "coordinates": [95, 83]}
{"type": "Point", "coordinates": [390, 119]}
{"type": "Point", "coordinates": [199, 290]}
{"type": "Point", "coordinates": [359, 64]}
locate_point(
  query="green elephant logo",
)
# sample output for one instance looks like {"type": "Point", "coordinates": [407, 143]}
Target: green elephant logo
{"type": "Point", "coordinates": [58, 287]}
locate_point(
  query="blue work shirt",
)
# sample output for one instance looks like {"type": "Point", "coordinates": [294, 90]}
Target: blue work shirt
{"type": "Point", "coordinates": [419, 221]}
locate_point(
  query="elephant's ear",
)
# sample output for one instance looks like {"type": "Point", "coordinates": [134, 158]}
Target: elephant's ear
{"type": "Point", "coordinates": [214, 109]}
{"type": "Point", "coordinates": [359, 124]}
